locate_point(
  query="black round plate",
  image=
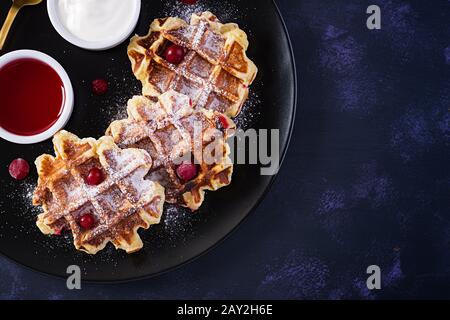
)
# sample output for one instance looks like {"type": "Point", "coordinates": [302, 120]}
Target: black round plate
{"type": "Point", "coordinates": [181, 236]}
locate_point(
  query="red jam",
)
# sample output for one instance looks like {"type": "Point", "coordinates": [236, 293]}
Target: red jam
{"type": "Point", "coordinates": [32, 97]}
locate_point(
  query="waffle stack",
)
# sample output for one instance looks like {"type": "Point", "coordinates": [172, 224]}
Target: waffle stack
{"type": "Point", "coordinates": [215, 73]}
{"type": "Point", "coordinates": [172, 147]}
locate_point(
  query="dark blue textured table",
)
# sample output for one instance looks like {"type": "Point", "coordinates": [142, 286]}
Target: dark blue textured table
{"type": "Point", "coordinates": [366, 179]}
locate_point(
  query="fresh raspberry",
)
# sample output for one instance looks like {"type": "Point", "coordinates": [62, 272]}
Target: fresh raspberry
{"type": "Point", "coordinates": [187, 171]}
{"type": "Point", "coordinates": [99, 86]}
{"type": "Point", "coordinates": [19, 169]}
{"type": "Point", "coordinates": [87, 221]}
{"type": "Point", "coordinates": [174, 54]}
{"type": "Point", "coordinates": [94, 177]}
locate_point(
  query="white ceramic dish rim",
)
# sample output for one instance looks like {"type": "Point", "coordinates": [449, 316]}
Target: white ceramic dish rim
{"type": "Point", "coordinates": [52, 9]}
{"type": "Point", "coordinates": [68, 103]}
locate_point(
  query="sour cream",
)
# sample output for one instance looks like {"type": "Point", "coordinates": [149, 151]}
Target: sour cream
{"type": "Point", "coordinates": [97, 20]}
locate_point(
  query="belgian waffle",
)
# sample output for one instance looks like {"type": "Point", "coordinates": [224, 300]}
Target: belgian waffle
{"type": "Point", "coordinates": [215, 72]}
{"type": "Point", "coordinates": [121, 204]}
{"type": "Point", "coordinates": [167, 130]}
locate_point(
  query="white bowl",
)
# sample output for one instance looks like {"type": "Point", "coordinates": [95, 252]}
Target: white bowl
{"type": "Point", "coordinates": [53, 13]}
{"type": "Point", "coordinates": [69, 97]}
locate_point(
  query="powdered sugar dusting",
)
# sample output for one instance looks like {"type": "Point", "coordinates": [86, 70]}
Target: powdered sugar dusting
{"type": "Point", "coordinates": [250, 112]}
{"type": "Point", "coordinates": [225, 10]}
{"type": "Point", "coordinates": [23, 199]}
{"type": "Point", "coordinates": [176, 219]}
{"type": "Point", "coordinates": [123, 87]}
{"type": "Point", "coordinates": [198, 35]}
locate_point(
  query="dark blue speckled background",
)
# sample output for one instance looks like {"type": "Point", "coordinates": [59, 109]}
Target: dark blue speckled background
{"type": "Point", "coordinates": [366, 180]}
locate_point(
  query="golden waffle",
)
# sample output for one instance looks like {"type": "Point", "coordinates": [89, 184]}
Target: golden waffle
{"type": "Point", "coordinates": [167, 130]}
{"type": "Point", "coordinates": [121, 204]}
{"type": "Point", "coordinates": [215, 72]}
